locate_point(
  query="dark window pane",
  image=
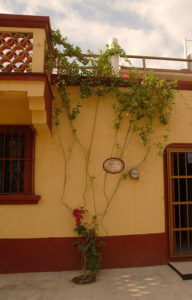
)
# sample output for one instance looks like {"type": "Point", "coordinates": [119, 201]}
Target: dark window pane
{"type": "Point", "coordinates": [183, 211]}
{"type": "Point", "coordinates": [14, 177]}
{"type": "Point", "coordinates": [175, 192]}
{"type": "Point", "coordinates": [15, 145]}
{"type": "Point", "coordinates": [22, 145]}
{"type": "Point", "coordinates": [8, 145]}
{"type": "Point", "coordinates": [177, 242]}
{"type": "Point", "coordinates": [190, 241]}
{"type": "Point", "coordinates": [184, 242]}
{"type": "Point", "coordinates": [182, 164]}
{"type": "Point", "coordinates": [7, 176]}
{"type": "Point", "coordinates": [174, 161]}
{"type": "Point", "coordinates": [190, 215]}
{"type": "Point", "coordinates": [181, 239]}
{"type": "Point", "coordinates": [21, 176]}
{"type": "Point", "coordinates": [189, 163]}
{"type": "Point", "coordinates": [1, 145]}
{"type": "Point", "coordinates": [1, 176]}
{"type": "Point", "coordinates": [189, 181]}
{"type": "Point", "coordinates": [176, 214]}
{"type": "Point", "coordinates": [182, 189]}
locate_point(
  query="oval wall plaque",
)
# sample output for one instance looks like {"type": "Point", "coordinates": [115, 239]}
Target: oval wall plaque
{"type": "Point", "coordinates": [113, 165]}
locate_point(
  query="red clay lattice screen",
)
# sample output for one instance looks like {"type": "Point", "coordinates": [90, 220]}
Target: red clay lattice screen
{"type": "Point", "coordinates": [16, 52]}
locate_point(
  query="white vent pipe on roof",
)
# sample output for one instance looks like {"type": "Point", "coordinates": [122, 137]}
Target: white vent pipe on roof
{"type": "Point", "coordinates": [188, 53]}
{"type": "Point", "coordinates": [189, 63]}
{"type": "Point", "coordinates": [115, 58]}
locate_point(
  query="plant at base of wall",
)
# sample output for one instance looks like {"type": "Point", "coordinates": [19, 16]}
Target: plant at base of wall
{"type": "Point", "coordinates": [88, 245]}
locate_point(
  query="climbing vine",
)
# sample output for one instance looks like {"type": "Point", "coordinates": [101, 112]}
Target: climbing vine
{"type": "Point", "coordinates": [142, 102]}
{"type": "Point", "coordinates": [141, 99]}
{"type": "Point", "coordinates": [146, 98]}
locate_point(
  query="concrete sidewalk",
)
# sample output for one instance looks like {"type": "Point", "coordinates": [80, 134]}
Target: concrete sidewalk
{"type": "Point", "coordinates": [159, 282]}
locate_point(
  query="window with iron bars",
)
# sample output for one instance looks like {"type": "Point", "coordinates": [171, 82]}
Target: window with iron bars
{"type": "Point", "coordinates": [16, 162]}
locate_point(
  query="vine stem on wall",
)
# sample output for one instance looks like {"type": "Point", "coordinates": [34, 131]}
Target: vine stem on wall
{"type": "Point", "coordinates": [86, 154]}
{"type": "Point", "coordinates": [65, 172]}
{"type": "Point", "coordinates": [144, 100]}
{"type": "Point", "coordinates": [109, 199]}
{"type": "Point", "coordinates": [88, 177]}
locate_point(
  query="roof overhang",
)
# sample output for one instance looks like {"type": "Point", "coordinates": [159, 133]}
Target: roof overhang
{"type": "Point", "coordinates": [38, 93]}
{"type": "Point", "coordinates": [24, 21]}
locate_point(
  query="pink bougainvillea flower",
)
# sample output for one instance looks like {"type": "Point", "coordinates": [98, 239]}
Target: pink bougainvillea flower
{"type": "Point", "coordinates": [125, 75]}
{"type": "Point", "coordinates": [78, 215]}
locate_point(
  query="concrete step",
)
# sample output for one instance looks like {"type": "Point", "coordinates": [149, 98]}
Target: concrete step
{"type": "Point", "coordinates": [183, 269]}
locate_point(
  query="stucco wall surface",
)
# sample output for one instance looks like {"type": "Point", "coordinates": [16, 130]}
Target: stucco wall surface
{"type": "Point", "coordinates": [60, 172]}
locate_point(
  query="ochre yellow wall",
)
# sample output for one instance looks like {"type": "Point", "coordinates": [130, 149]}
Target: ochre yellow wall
{"type": "Point", "coordinates": [14, 108]}
{"type": "Point", "coordinates": [137, 207]}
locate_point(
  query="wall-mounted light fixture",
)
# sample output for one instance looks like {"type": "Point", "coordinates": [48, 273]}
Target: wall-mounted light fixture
{"type": "Point", "coordinates": [134, 173]}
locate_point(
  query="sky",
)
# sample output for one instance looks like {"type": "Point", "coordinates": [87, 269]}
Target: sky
{"type": "Point", "coordinates": [142, 27]}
